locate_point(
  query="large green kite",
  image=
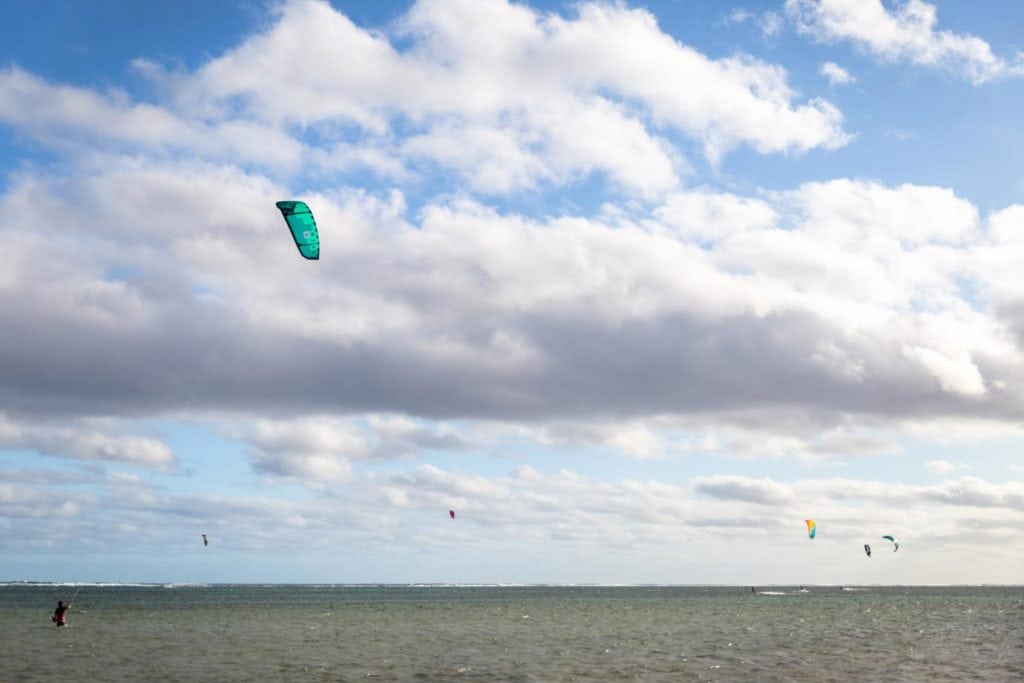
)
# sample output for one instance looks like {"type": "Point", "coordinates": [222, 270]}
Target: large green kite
{"type": "Point", "coordinates": [300, 222]}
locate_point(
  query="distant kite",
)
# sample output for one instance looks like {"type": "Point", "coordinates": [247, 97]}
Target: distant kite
{"type": "Point", "coordinates": [303, 227]}
{"type": "Point", "coordinates": [206, 540]}
{"type": "Point", "coordinates": [812, 528]}
{"type": "Point", "coordinates": [451, 513]}
{"type": "Point", "coordinates": [894, 542]}
{"type": "Point", "coordinates": [867, 549]}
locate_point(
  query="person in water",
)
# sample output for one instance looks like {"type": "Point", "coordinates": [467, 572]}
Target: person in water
{"type": "Point", "coordinates": [60, 614]}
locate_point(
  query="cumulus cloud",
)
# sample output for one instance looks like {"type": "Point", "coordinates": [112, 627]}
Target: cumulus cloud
{"type": "Point", "coordinates": [974, 492]}
{"type": "Point", "coordinates": [87, 440]}
{"type": "Point", "coordinates": [833, 299]}
{"type": "Point", "coordinates": [323, 448]}
{"type": "Point", "coordinates": [482, 91]}
{"type": "Point", "coordinates": [80, 119]}
{"type": "Point", "coordinates": [629, 514]}
{"type": "Point", "coordinates": [908, 33]}
{"type": "Point", "coordinates": [761, 492]}
{"type": "Point", "coordinates": [958, 375]}
{"type": "Point", "coordinates": [726, 517]}
{"type": "Point", "coordinates": [317, 450]}
{"type": "Point", "coordinates": [836, 74]}
{"type": "Point", "coordinates": [836, 298]}
{"type": "Point", "coordinates": [456, 313]}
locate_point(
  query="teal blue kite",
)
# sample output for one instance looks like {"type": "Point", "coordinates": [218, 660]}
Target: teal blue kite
{"type": "Point", "coordinates": [300, 221]}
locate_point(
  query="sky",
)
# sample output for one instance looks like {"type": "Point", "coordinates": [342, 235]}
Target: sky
{"type": "Point", "coordinates": [632, 288]}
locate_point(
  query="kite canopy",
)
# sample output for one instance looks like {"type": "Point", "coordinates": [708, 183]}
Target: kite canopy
{"type": "Point", "coordinates": [894, 542]}
{"type": "Point", "coordinates": [812, 528]}
{"type": "Point", "coordinates": [451, 513]}
{"type": "Point", "coordinates": [206, 541]}
{"type": "Point", "coordinates": [300, 221]}
{"type": "Point", "coordinates": [867, 549]}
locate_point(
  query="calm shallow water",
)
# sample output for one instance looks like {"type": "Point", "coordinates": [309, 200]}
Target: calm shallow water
{"type": "Point", "coordinates": [534, 633]}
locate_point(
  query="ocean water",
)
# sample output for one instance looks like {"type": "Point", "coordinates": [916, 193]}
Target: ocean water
{"type": "Point", "coordinates": [519, 633]}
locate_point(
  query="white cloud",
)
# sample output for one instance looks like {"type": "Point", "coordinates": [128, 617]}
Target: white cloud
{"type": "Point", "coordinates": [769, 23]}
{"type": "Point", "coordinates": [86, 440]}
{"type": "Point", "coordinates": [956, 374]}
{"type": "Point", "coordinates": [29, 102]}
{"type": "Point", "coordinates": [906, 33]}
{"type": "Point", "coordinates": [286, 97]}
{"type": "Point", "coordinates": [633, 438]}
{"type": "Point", "coordinates": [312, 467]}
{"type": "Point", "coordinates": [848, 289]}
{"type": "Point", "coordinates": [560, 514]}
{"type": "Point", "coordinates": [323, 448]}
{"type": "Point", "coordinates": [706, 216]}
{"type": "Point", "coordinates": [744, 489]}
{"type": "Point", "coordinates": [821, 298]}
{"type": "Point", "coordinates": [836, 74]}
{"type": "Point", "coordinates": [506, 77]}
{"type": "Point", "coordinates": [81, 120]}
{"type": "Point", "coordinates": [489, 99]}
{"type": "Point", "coordinates": [1006, 226]}
{"type": "Point", "coordinates": [945, 467]}
{"type": "Point", "coordinates": [851, 210]}
{"type": "Point", "coordinates": [314, 449]}
{"type": "Point", "coordinates": [977, 493]}
{"type": "Point", "coordinates": [826, 324]}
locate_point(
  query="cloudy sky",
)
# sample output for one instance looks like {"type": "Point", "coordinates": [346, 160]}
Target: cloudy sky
{"type": "Point", "coordinates": [634, 288]}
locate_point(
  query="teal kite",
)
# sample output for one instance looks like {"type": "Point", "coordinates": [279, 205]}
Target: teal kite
{"type": "Point", "coordinates": [300, 221]}
{"type": "Point", "coordinates": [894, 542]}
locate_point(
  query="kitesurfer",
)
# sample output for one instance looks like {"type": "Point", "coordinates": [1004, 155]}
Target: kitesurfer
{"type": "Point", "coordinates": [60, 614]}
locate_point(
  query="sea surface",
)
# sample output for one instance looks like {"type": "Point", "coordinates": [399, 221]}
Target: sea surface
{"type": "Point", "coordinates": [512, 633]}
